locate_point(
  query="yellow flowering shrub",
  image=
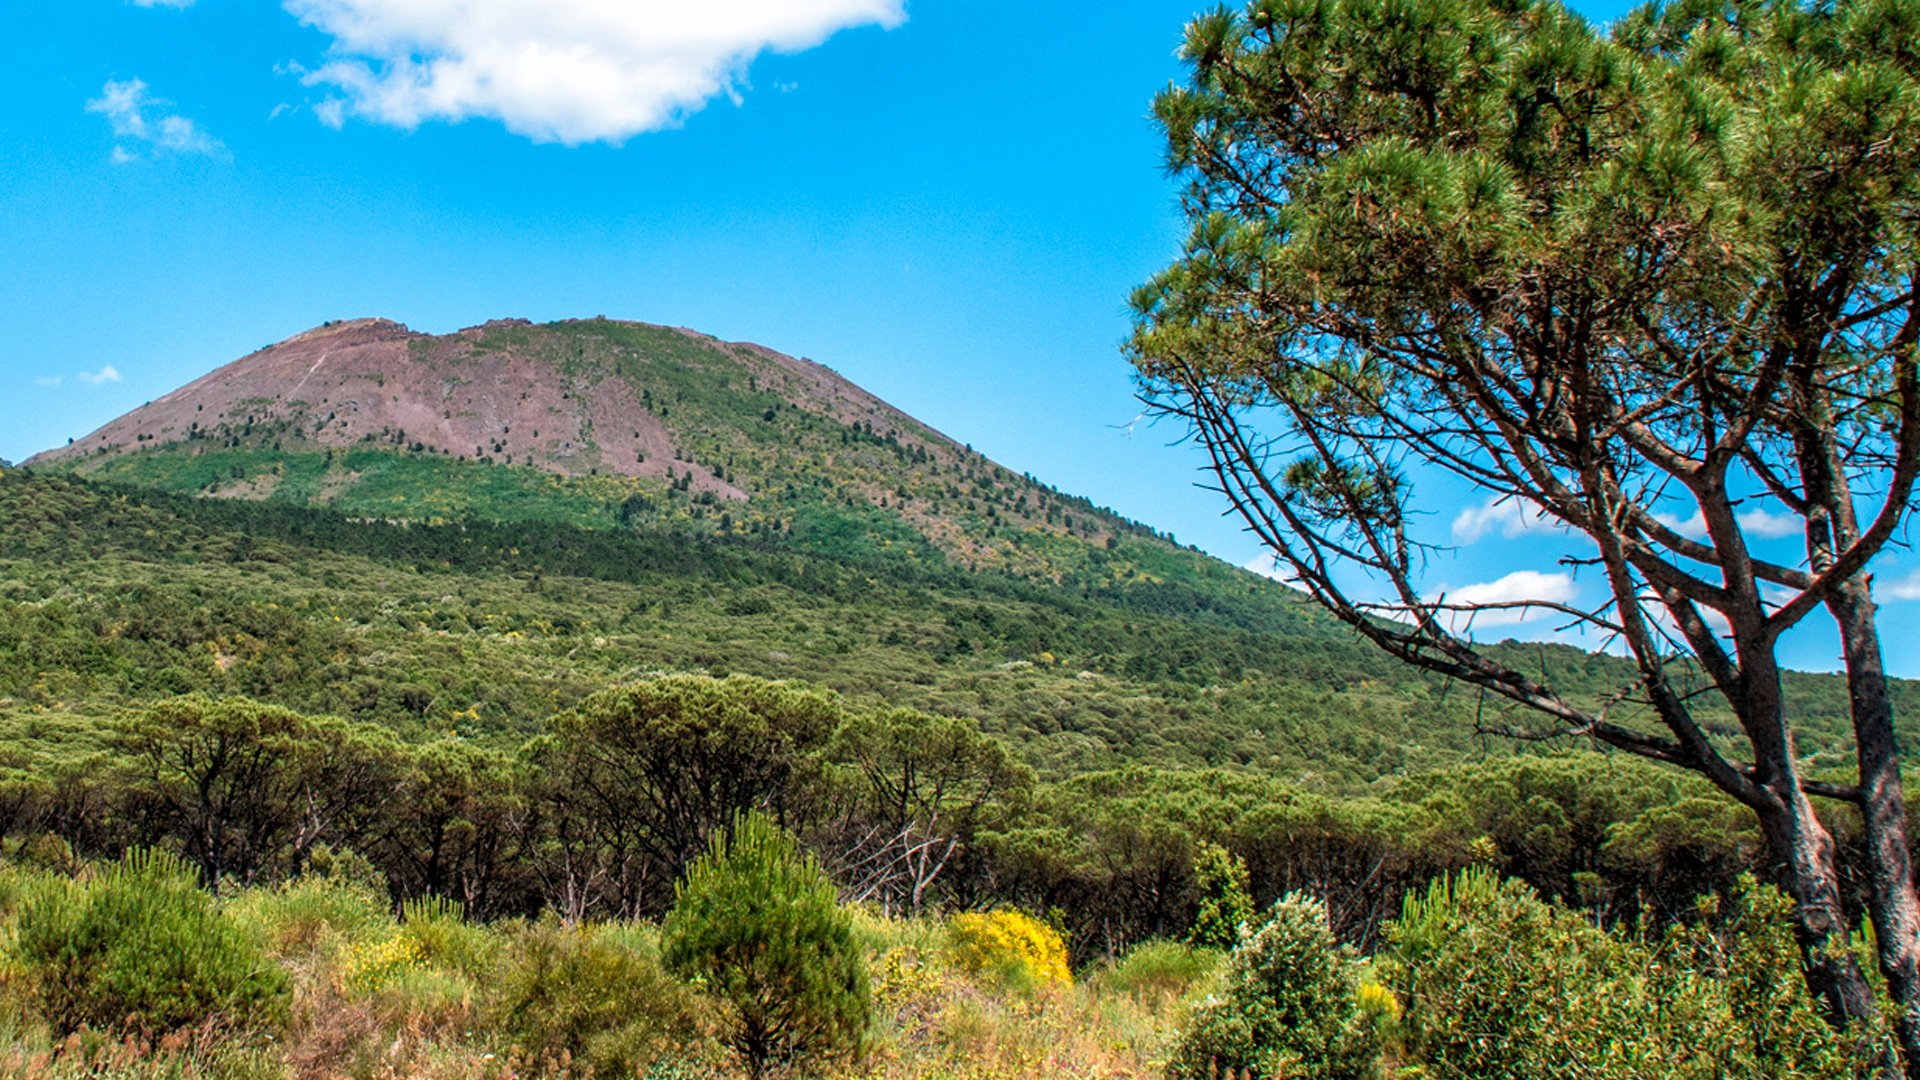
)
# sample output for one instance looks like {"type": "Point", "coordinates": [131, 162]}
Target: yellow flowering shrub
{"type": "Point", "coordinates": [1011, 943]}
{"type": "Point", "coordinates": [1377, 1001]}
{"type": "Point", "coordinates": [370, 966]}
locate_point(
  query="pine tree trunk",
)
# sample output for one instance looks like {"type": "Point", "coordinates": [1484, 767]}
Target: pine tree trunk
{"type": "Point", "coordinates": [1805, 873]}
{"type": "Point", "coordinates": [1802, 848]}
{"type": "Point", "coordinates": [1892, 902]}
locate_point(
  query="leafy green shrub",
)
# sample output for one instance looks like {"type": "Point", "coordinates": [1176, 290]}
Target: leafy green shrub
{"type": "Point", "coordinates": [1288, 1005]}
{"type": "Point", "coordinates": [595, 995]}
{"type": "Point", "coordinates": [1501, 985]}
{"type": "Point", "coordinates": [1220, 879]}
{"type": "Point", "coordinates": [445, 939]}
{"type": "Point", "coordinates": [311, 914]}
{"type": "Point", "coordinates": [1158, 969]}
{"type": "Point", "coordinates": [762, 926]}
{"type": "Point", "coordinates": [141, 945]}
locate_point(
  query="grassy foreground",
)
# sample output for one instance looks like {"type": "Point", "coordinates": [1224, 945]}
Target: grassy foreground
{"type": "Point", "coordinates": [319, 977]}
{"type": "Point", "coordinates": [426, 994]}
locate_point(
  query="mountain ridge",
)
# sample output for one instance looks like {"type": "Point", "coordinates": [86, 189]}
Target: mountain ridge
{"type": "Point", "coordinates": [675, 427]}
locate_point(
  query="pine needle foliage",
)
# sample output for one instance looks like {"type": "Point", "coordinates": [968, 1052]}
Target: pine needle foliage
{"type": "Point", "coordinates": [140, 947]}
{"type": "Point", "coordinates": [760, 924]}
{"type": "Point", "coordinates": [1609, 277]}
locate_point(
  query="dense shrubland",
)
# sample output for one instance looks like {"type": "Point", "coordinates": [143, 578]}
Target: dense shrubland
{"type": "Point", "coordinates": [116, 597]}
{"type": "Point", "coordinates": [599, 817]}
{"type": "Point", "coordinates": [448, 795]}
{"type": "Point", "coordinates": [322, 976]}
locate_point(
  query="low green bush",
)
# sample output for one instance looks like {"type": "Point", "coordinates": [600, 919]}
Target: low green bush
{"type": "Point", "coordinates": [1288, 1005]}
{"type": "Point", "coordinates": [1158, 969]}
{"type": "Point", "coordinates": [597, 996]}
{"type": "Point", "coordinates": [1501, 985]}
{"type": "Point", "coordinates": [445, 939]}
{"type": "Point", "coordinates": [761, 926]}
{"type": "Point", "coordinates": [140, 946]}
{"type": "Point", "coordinates": [1220, 881]}
{"type": "Point", "coordinates": [311, 914]}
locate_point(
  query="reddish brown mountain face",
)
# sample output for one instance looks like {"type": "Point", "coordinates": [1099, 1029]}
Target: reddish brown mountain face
{"type": "Point", "coordinates": [493, 392]}
{"type": "Point", "coordinates": [635, 423]}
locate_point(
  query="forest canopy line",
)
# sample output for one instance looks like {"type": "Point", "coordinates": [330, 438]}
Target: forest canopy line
{"type": "Point", "coordinates": [600, 818]}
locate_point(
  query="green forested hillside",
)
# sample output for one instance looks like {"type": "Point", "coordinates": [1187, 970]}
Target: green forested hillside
{"type": "Point", "coordinates": [1154, 718]}
{"type": "Point", "coordinates": [116, 596]}
{"type": "Point", "coordinates": [289, 694]}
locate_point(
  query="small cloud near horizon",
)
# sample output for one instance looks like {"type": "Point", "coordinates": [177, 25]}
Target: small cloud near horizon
{"type": "Point", "coordinates": [1264, 564]}
{"type": "Point", "coordinates": [1758, 522]}
{"type": "Point", "coordinates": [1521, 585]}
{"type": "Point", "coordinates": [1906, 588]}
{"type": "Point", "coordinates": [136, 114]}
{"type": "Point", "coordinates": [565, 71]}
{"type": "Point", "coordinates": [106, 374]}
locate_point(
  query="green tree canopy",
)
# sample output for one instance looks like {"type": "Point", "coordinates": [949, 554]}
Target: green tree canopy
{"type": "Point", "coordinates": [653, 768]}
{"type": "Point", "coordinates": [1617, 279]}
{"type": "Point", "coordinates": [238, 784]}
{"type": "Point", "coordinates": [923, 787]}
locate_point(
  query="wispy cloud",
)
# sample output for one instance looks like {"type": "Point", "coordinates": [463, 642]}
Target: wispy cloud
{"type": "Point", "coordinates": [1512, 517]}
{"type": "Point", "coordinates": [161, 3]}
{"type": "Point", "coordinates": [105, 375]}
{"type": "Point", "coordinates": [1521, 585]}
{"type": "Point", "coordinates": [1758, 522]}
{"type": "Point", "coordinates": [1772, 526]}
{"type": "Point", "coordinates": [49, 380]}
{"type": "Point", "coordinates": [1693, 528]}
{"type": "Point", "coordinates": [137, 114]}
{"type": "Point", "coordinates": [1266, 565]}
{"type": "Point", "coordinates": [567, 71]}
{"type": "Point", "coordinates": [1905, 588]}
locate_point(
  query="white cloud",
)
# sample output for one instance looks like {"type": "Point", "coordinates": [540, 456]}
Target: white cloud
{"type": "Point", "coordinates": [1693, 528]}
{"type": "Point", "coordinates": [1906, 588]}
{"type": "Point", "coordinates": [104, 375]}
{"type": "Point", "coordinates": [1266, 565]}
{"type": "Point", "coordinates": [1771, 526]}
{"type": "Point", "coordinates": [136, 114]}
{"type": "Point", "coordinates": [567, 71]}
{"type": "Point", "coordinates": [1514, 517]}
{"type": "Point", "coordinates": [161, 3]}
{"type": "Point", "coordinates": [1517, 586]}
{"type": "Point", "coordinates": [50, 380]}
{"type": "Point", "coordinates": [1759, 522]}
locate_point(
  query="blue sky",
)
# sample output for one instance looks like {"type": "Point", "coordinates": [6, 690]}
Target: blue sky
{"type": "Point", "coordinates": [946, 202]}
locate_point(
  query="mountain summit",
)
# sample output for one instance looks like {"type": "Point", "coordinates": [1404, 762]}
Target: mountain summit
{"type": "Point", "coordinates": [594, 422]}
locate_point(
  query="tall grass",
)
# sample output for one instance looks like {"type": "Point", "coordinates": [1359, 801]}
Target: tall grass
{"type": "Point", "coordinates": [422, 992]}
